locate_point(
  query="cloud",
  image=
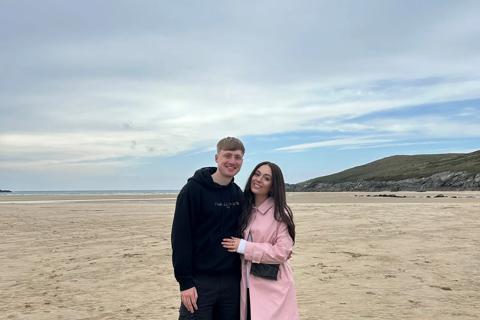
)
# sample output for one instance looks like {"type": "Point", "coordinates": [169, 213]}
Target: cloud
{"type": "Point", "coordinates": [158, 79]}
{"type": "Point", "coordinates": [116, 123]}
{"type": "Point", "coordinates": [383, 145]}
{"type": "Point", "coordinates": [334, 143]}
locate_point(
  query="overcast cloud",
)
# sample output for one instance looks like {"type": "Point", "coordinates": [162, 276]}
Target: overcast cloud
{"type": "Point", "coordinates": [103, 86]}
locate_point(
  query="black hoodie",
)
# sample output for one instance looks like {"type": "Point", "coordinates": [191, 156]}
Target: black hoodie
{"type": "Point", "coordinates": [205, 213]}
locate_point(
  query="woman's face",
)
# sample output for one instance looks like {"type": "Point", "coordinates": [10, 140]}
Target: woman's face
{"type": "Point", "coordinates": [261, 180]}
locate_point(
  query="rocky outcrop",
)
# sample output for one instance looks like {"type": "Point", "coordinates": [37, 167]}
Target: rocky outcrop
{"type": "Point", "coordinates": [447, 181]}
{"type": "Point", "coordinates": [5, 191]}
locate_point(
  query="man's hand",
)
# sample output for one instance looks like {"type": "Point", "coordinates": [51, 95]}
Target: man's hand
{"type": "Point", "coordinates": [189, 299]}
{"type": "Point", "coordinates": [231, 244]}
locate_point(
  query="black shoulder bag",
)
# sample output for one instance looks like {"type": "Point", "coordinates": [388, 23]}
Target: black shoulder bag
{"type": "Point", "coordinates": [266, 271]}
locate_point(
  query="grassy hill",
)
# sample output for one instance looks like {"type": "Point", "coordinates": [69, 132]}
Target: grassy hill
{"type": "Point", "coordinates": [402, 167]}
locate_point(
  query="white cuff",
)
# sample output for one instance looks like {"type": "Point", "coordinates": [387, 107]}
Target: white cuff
{"type": "Point", "coordinates": [241, 246]}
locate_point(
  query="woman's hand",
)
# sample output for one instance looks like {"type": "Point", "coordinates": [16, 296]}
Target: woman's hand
{"type": "Point", "coordinates": [231, 244]}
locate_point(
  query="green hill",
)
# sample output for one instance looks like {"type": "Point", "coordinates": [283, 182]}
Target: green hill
{"type": "Point", "coordinates": [400, 168]}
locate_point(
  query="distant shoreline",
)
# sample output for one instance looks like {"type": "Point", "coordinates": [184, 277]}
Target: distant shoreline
{"type": "Point", "coordinates": [88, 192]}
{"type": "Point", "coordinates": [292, 197]}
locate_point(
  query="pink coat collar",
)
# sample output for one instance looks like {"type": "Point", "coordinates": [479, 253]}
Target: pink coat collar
{"type": "Point", "coordinates": [265, 206]}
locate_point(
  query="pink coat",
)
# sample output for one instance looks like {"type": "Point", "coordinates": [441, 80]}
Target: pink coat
{"type": "Point", "coordinates": [271, 243]}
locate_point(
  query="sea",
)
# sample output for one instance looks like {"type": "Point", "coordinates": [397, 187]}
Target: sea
{"type": "Point", "coordinates": [107, 194]}
{"type": "Point", "coordinates": [88, 192]}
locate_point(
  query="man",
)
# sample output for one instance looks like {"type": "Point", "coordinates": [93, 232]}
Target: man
{"type": "Point", "coordinates": [208, 209]}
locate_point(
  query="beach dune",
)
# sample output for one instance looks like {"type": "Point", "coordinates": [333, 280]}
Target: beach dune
{"type": "Point", "coordinates": [357, 256]}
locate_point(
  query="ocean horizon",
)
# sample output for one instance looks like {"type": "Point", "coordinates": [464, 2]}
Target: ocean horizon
{"type": "Point", "coordinates": [87, 192]}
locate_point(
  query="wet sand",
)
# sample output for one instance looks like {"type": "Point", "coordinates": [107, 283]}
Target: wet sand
{"type": "Point", "coordinates": [357, 256]}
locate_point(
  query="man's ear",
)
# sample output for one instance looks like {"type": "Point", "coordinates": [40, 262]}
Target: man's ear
{"type": "Point", "coordinates": [216, 158]}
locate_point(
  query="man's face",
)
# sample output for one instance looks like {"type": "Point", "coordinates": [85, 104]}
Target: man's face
{"type": "Point", "coordinates": [229, 162]}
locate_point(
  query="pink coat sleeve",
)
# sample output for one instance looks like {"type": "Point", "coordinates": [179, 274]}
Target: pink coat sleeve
{"type": "Point", "coordinates": [266, 252]}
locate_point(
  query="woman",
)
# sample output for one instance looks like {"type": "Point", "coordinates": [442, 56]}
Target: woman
{"type": "Point", "coordinates": [269, 232]}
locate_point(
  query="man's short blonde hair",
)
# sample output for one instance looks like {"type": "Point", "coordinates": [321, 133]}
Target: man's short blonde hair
{"type": "Point", "coordinates": [230, 144]}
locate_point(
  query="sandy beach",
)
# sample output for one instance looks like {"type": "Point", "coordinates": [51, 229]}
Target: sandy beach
{"type": "Point", "coordinates": [357, 256]}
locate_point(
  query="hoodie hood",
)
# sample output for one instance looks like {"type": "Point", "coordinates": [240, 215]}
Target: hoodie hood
{"type": "Point", "coordinates": [203, 176]}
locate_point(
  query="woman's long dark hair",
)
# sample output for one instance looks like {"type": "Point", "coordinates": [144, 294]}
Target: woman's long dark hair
{"type": "Point", "coordinates": [282, 213]}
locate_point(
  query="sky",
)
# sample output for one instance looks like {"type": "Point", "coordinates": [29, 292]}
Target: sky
{"type": "Point", "coordinates": [135, 94]}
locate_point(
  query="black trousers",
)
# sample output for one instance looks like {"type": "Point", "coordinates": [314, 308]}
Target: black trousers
{"type": "Point", "coordinates": [218, 299]}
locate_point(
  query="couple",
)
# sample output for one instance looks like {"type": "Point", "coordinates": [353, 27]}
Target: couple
{"type": "Point", "coordinates": [227, 243]}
